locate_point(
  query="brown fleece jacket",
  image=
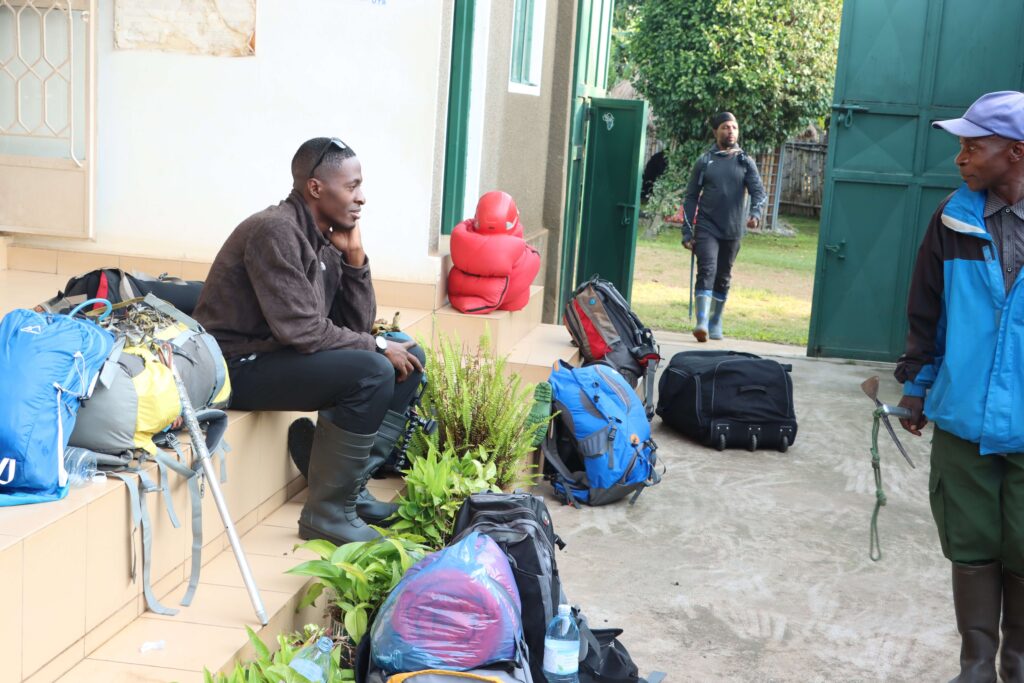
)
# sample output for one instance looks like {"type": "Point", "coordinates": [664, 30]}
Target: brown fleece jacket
{"type": "Point", "coordinates": [278, 282]}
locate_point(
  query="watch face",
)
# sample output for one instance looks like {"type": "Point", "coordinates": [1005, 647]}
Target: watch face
{"type": "Point", "coordinates": [382, 344]}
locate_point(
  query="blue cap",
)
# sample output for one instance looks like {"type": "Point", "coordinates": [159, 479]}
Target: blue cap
{"type": "Point", "coordinates": [996, 113]}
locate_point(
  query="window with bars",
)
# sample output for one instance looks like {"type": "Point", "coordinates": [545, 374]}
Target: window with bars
{"type": "Point", "coordinates": [47, 61]}
{"type": "Point", "coordinates": [43, 63]}
{"type": "Point", "coordinates": [527, 46]}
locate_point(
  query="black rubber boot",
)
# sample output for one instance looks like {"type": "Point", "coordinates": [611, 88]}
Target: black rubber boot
{"type": "Point", "coordinates": [1011, 659]}
{"type": "Point", "coordinates": [300, 443]}
{"type": "Point", "coordinates": [374, 511]}
{"type": "Point", "coordinates": [977, 598]}
{"type": "Point", "coordinates": [337, 469]}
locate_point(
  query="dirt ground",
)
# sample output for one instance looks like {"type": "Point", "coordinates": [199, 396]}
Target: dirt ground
{"type": "Point", "coordinates": [754, 567]}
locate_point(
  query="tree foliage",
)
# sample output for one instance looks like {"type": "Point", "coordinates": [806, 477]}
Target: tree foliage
{"type": "Point", "coordinates": [770, 62]}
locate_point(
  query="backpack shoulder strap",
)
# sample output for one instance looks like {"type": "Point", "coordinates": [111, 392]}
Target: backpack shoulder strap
{"type": "Point", "coordinates": [704, 161]}
{"type": "Point", "coordinates": [550, 451]}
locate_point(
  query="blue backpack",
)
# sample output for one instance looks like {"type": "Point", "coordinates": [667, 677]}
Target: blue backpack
{"type": "Point", "coordinates": [49, 363]}
{"type": "Point", "coordinates": [599, 449]}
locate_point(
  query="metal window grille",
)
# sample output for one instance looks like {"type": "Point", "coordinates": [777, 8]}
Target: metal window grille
{"type": "Point", "coordinates": [44, 47]}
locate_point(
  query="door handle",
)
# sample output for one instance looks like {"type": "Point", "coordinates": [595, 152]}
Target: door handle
{"type": "Point", "coordinates": [627, 212]}
{"type": "Point", "coordinates": [837, 249]}
{"type": "Point", "coordinates": [844, 113]}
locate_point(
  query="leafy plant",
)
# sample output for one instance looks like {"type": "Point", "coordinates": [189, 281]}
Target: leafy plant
{"type": "Point", "coordinates": [358, 575]}
{"type": "Point", "coordinates": [435, 486]}
{"type": "Point", "coordinates": [771, 62]}
{"type": "Point", "coordinates": [480, 409]}
{"type": "Point", "coordinates": [272, 667]}
{"type": "Point", "coordinates": [666, 196]}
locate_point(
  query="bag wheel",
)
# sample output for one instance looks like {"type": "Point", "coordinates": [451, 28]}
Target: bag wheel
{"type": "Point", "coordinates": [753, 442]}
{"type": "Point", "coordinates": [784, 444]}
{"type": "Point", "coordinates": [720, 445]}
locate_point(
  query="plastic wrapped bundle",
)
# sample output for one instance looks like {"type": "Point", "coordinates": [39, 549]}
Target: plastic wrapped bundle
{"type": "Point", "coordinates": [457, 609]}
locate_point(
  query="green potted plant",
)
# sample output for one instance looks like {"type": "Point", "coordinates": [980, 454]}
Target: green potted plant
{"type": "Point", "coordinates": [482, 411]}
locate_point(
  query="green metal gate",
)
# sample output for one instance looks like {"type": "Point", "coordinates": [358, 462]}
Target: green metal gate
{"type": "Point", "coordinates": [599, 163]}
{"type": "Point", "coordinates": [902, 65]}
{"type": "Point", "coordinates": [611, 191]}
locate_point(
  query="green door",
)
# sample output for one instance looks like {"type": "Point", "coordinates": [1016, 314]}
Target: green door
{"type": "Point", "coordinates": [611, 191]}
{"type": "Point", "coordinates": [902, 65]}
{"type": "Point", "coordinates": [590, 77]}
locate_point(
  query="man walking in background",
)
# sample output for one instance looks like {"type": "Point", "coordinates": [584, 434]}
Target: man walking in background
{"type": "Point", "coordinates": [714, 207]}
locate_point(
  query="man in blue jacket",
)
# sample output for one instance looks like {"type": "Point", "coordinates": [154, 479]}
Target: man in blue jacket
{"type": "Point", "coordinates": [963, 369]}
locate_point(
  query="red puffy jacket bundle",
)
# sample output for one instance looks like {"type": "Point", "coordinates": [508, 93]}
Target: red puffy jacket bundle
{"type": "Point", "coordinates": [493, 264]}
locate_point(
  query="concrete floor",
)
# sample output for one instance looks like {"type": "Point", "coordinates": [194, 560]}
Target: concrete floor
{"type": "Point", "coordinates": [754, 567]}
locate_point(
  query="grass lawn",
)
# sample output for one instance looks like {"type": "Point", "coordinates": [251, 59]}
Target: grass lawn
{"type": "Point", "coordinates": [772, 284]}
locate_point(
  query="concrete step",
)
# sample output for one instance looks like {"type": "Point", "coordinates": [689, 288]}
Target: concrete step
{"type": "Point", "coordinates": [506, 328]}
{"type": "Point", "coordinates": [211, 633]}
{"type": "Point", "coordinates": [66, 565]}
{"type": "Point", "coordinates": [535, 354]}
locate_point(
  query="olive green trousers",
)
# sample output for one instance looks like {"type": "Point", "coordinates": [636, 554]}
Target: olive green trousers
{"type": "Point", "coordinates": [977, 502]}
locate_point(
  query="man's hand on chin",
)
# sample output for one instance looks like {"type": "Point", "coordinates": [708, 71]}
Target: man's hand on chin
{"type": "Point", "coordinates": [349, 241]}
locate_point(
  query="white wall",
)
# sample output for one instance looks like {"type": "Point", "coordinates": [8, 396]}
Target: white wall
{"type": "Point", "coordinates": [188, 146]}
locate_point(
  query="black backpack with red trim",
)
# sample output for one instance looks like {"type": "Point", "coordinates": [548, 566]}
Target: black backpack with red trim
{"type": "Point", "coordinates": [116, 285]}
{"type": "Point", "coordinates": [606, 330]}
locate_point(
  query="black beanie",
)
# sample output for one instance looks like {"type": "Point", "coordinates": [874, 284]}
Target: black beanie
{"type": "Point", "coordinates": [720, 118]}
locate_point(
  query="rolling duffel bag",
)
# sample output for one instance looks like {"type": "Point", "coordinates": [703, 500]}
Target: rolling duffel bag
{"type": "Point", "coordinates": [729, 399]}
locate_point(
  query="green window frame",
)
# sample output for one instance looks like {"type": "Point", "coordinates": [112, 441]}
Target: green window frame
{"type": "Point", "coordinates": [527, 41]}
{"type": "Point", "coordinates": [458, 116]}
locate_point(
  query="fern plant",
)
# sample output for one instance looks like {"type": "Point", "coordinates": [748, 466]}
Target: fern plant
{"type": "Point", "coordinates": [481, 410]}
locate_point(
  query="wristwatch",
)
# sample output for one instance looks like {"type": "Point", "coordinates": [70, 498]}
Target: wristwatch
{"type": "Point", "coordinates": [382, 343]}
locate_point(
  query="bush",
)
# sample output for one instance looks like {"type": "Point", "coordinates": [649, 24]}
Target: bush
{"type": "Point", "coordinates": [771, 62]}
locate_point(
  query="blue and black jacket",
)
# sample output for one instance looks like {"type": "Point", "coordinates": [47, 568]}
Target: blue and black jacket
{"type": "Point", "coordinates": [965, 345]}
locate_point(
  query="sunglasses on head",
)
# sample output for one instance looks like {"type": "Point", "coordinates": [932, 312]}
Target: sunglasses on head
{"type": "Point", "coordinates": [333, 142]}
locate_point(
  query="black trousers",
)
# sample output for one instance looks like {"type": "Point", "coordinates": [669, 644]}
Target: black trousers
{"type": "Point", "coordinates": [714, 262]}
{"type": "Point", "coordinates": [355, 389]}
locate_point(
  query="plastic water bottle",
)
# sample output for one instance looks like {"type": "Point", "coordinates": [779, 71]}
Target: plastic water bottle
{"type": "Point", "coordinates": [314, 661]}
{"type": "Point", "coordinates": [562, 648]}
{"type": "Point", "coordinates": [80, 464]}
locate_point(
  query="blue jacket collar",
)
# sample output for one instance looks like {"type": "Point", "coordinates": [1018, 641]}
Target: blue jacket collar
{"type": "Point", "coordinates": [965, 212]}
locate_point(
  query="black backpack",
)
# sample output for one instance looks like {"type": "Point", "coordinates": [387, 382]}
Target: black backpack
{"type": "Point", "coordinates": [521, 525]}
{"type": "Point", "coordinates": [115, 285]}
{"type": "Point", "coordinates": [606, 330]}
{"type": "Point", "coordinates": [729, 399]}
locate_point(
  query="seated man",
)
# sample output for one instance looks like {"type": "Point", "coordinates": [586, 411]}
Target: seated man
{"type": "Point", "coordinates": [290, 301]}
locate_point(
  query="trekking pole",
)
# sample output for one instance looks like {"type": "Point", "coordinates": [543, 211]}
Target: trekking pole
{"type": "Point", "coordinates": [693, 257]}
{"type": "Point", "coordinates": [201, 451]}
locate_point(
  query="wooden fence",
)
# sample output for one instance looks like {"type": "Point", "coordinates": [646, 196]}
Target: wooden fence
{"type": "Point", "coordinates": [803, 178]}
{"type": "Point", "coordinates": [768, 168]}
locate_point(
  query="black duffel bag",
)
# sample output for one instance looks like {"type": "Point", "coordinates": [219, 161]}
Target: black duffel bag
{"type": "Point", "coordinates": [728, 399]}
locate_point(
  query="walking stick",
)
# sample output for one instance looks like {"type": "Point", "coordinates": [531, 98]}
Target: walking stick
{"type": "Point", "coordinates": [693, 257]}
{"type": "Point", "coordinates": [202, 453]}
{"type": "Point", "coordinates": [689, 313]}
